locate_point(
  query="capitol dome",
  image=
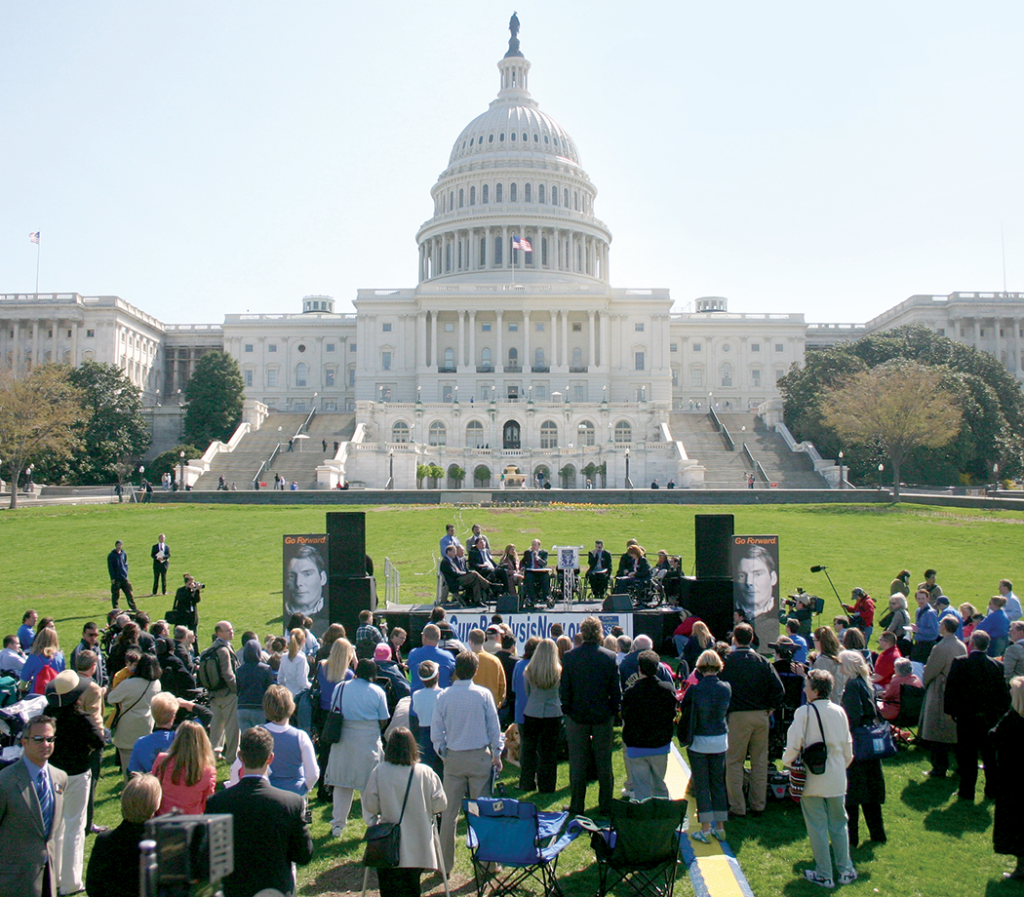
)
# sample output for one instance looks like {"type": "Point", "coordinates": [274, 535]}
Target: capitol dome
{"type": "Point", "coordinates": [513, 172]}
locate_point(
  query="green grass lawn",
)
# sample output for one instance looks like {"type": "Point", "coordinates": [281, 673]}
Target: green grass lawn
{"type": "Point", "coordinates": [53, 559]}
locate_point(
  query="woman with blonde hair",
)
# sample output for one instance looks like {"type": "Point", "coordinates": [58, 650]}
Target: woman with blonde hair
{"type": "Point", "coordinates": [114, 862]}
{"type": "Point", "coordinates": [865, 782]}
{"type": "Point", "coordinates": [45, 662]}
{"type": "Point", "coordinates": [700, 641]}
{"type": "Point", "coordinates": [187, 771]}
{"type": "Point", "coordinates": [295, 766]}
{"type": "Point", "coordinates": [293, 674]}
{"type": "Point", "coordinates": [329, 673]}
{"type": "Point", "coordinates": [564, 644]}
{"type": "Point", "coordinates": [899, 619]}
{"type": "Point", "coordinates": [542, 720]}
{"type": "Point", "coordinates": [827, 648]}
{"type": "Point", "coordinates": [510, 561]}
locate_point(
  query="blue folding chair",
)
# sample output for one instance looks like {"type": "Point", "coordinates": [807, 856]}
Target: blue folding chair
{"type": "Point", "coordinates": [525, 843]}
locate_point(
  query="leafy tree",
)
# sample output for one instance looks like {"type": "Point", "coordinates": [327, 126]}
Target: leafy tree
{"type": "Point", "coordinates": [899, 407]}
{"type": "Point", "coordinates": [39, 414]}
{"type": "Point", "coordinates": [167, 462]}
{"type": "Point", "coordinates": [989, 398]}
{"type": "Point", "coordinates": [482, 475]}
{"type": "Point", "coordinates": [422, 472]}
{"type": "Point", "coordinates": [113, 437]}
{"type": "Point", "coordinates": [435, 472]}
{"type": "Point", "coordinates": [456, 474]}
{"type": "Point", "coordinates": [215, 394]}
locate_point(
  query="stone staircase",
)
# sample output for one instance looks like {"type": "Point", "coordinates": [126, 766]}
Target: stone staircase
{"type": "Point", "coordinates": [298, 465]}
{"type": "Point", "coordinates": [725, 469]}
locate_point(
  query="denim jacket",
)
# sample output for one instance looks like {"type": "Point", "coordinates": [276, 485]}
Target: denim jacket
{"type": "Point", "coordinates": [710, 697]}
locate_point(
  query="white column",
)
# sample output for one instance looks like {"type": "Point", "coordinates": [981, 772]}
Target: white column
{"type": "Point", "coordinates": [472, 339]}
{"type": "Point", "coordinates": [554, 340]}
{"type": "Point", "coordinates": [34, 358]}
{"type": "Point", "coordinates": [421, 339]}
{"type": "Point", "coordinates": [460, 359]}
{"type": "Point", "coordinates": [75, 325]}
{"type": "Point", "coordinates": [433, 338]}
{"type": "Point", "coordinates": [55, 352]}
{"type": "Point", "coordinates": [16, 357]}
{"type": "Point", "coordinates": [591, 360]}
{"type": "Point", "coordinates": [526, 362]}
{"type": "Point", "coordinates": [499, 362]}
{"type": "Point", "coordinates": [506, 250]}
{"type": "Point", "coordinates": [565, 338]}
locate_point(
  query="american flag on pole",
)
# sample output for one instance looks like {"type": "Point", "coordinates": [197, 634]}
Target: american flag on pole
{"type": "Point", "coordinates": [34, 237]}
{"type": "Point", "coordinates": [521, 243]}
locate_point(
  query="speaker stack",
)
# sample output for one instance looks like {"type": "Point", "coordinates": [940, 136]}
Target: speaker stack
{"type": "Point", "coordinates": [349, 589]}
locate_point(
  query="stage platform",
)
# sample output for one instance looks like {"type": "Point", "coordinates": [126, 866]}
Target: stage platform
{"type": "Point", "coordinates": [659, 622]}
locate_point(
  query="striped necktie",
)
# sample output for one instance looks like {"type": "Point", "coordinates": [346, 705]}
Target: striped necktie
{"type": "Point", "coordinates": [45, 794]}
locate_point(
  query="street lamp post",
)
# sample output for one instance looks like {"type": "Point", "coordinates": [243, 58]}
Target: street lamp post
{"type": "Point", "coordinates": [181, 477]}
{"type": "Point", "coordinates": [881, 467]}
{"type": "Point", "coordinates": [391, 469]}
{"type": "Point", "coordinates": [841, 470]}
{"type": "Point", "coordinates": [629, 484]}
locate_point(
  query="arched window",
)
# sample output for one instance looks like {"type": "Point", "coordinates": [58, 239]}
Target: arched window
{"type": "Point", "coordinates": [587, 433]}
{"type": "Point", "coordinates": [549, 435]}
{"type": "Point", "coordinates": [400, 432]}
{"type": "Point", "coordinates": [485, 357]}
{"type": "Point", "coordinates": [755, 377]}
{"type": "Point", "coordinates": [449, 358]}
{"type": "Point", "coordinates": [487, 193]}
{"type": "Point", "coordinates": [513, 193]}
{"type": "Point", "coordinates": [474, 434]}
{"type": "Point", "coordinates": [438, 434]}
{"type": "Point", "coordinates": [301, 373]}
{"type": "Point", "coordinates": [497, 192]}
{"type": "Point", "coordinates": [565, 197]}
{"type": "Point", "coordinates": [451, 200]}
{"type": "Point", "coordinates": [462, 197]}
{"type": "Point", "coordinates": [538, 357]}
{"type": "Point", "coordinates": [526, 193]}
{"type": "Point", "coordinates": [726, 373]}
{"type": "Point", "coordinates": [472, 196]}
{"type": "Point", "coordinates": [623, 431]}
{"type": "Point", "coordinates": [498, 245]}
{"type": "Point", "coordinates": [513, 358]}
{"type": "Point", "coordinates": [577, 359]}
{"type": "Point", "coordinates": [576, 200]}
{"type": "Point", "coordinates": [540, 194]}
{"type": "Point", "coordinates": [554, 196]}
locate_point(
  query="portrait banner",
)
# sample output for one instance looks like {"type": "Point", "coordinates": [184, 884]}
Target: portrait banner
{"type": "Point", "coordinates": [755, 565]}
{"type": "Point", "coordinates": [305, 573]}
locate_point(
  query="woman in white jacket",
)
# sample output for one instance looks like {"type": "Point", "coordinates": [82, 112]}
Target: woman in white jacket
{"type": "Point", "coordinates": [823, 801]}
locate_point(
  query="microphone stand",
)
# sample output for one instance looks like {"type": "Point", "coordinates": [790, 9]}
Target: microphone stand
{"type": "Point", "coordinates": [824, 570]}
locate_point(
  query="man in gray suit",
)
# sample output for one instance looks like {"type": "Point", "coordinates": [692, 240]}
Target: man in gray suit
{"type": "Point", "coordinates": [32, 815]}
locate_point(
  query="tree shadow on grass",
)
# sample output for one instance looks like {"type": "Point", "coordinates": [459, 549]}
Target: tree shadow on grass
{"type": "Point", "coordinates": [1003, 887]}
{"type": "Point", "coordinates": [960, 816]}
{"type": "Point", "coordinates": [347, 878]}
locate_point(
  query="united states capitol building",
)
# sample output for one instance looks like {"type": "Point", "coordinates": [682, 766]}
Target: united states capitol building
{"type": "Point", "coordinates": [499, 357]}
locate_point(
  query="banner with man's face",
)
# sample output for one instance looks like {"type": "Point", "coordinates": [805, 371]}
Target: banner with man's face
{"type": "Point", "coordinates": [755, 566]}
{"type": "Point", "coordinates": [305, 579]}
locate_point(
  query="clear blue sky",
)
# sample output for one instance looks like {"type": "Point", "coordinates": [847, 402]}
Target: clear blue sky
{"type": "Point", "coordinates": [203, 158]}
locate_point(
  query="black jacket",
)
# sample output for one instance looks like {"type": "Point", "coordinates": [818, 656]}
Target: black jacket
{"type": "Point", "coordinates": [113, 855]}
{"type": "Point", "coordinates": [755, 685]}
{"type": "Point", "coordinates": [269, 835]}
{"type": "Point", "coordinates": [976, 692]}
{"type": "Point", "coordinates": [648, 712]}
{"type": "Point", "coordinates": [590, 685]}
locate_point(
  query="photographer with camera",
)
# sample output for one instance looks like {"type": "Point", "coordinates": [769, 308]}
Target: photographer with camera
{"type": "Point", "coordinates": [185, 600]}
{"type": "Point", "coordinates": [862, 612]}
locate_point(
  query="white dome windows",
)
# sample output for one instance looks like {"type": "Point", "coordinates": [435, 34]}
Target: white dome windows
{"type": "Point", "coordinates": [462, 197]}
{"type": "Point", "coordinates": [526, 193]}
{"type": "Point", "coordinates": [497, 193]}
{"type": "Point", "coordinates": [472, 196]}
{"type": "Point", "coordinates": [540, 194]}
{"type": "Point", "coordinates": [486, 194]}
{"type": "Point", "coordinates": [513, 192]}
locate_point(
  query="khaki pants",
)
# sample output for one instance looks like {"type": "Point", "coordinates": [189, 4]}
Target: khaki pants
{"type": "Point", "coordinates": [748, 731]}
{"type": "Point", "coordinates": [463, 771]}
{"type": "Point", "coordinates": [224, 727]}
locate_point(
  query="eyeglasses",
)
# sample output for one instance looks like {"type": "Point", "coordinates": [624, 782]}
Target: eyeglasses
{"type": "Point", "coordinates": [39, 739]}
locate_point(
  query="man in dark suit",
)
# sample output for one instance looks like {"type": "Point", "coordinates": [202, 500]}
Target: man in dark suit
{"type": "Point", "coordinates": [977, 698]}
{"type": "Point", "coordinates": [161, 554]}
{"type": "Point", "coordinates": [537, 582]}
{"type": "Point", "coordinates": [599, 570]}
{"type": "Point", "coordinates": [32, 815]}
{"type": "Point", "coordinates": [453, 569]}
{"type": "Point", "coordinates": [269, 828]}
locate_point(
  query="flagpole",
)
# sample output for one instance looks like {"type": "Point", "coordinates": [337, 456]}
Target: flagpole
{"type": "Point", "coordinates": [38, 248]}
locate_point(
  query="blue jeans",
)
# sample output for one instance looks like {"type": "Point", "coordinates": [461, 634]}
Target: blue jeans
{"type": "Point", "coordinates": [708, 785]}
{"type": "Point", "coordinates": [825, 818]}
{"type": "Point", "coordinates": [248, 718]}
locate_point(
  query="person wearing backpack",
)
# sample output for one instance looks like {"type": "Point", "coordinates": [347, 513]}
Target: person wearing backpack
{"type": "Point", "coordinates": [217, 667]}
{"type": "Point", "coordinates": [824, 795]}
{"type": "Point", "coordinates": [44, 662]}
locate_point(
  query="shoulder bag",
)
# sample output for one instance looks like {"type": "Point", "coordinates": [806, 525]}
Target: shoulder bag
{"type": "Point", "coordinates": [873, 741]}
{"type": "Point", "coordinates": [815, 756]}
{"type": "Point", "coordinates": [119, 712]}
{"type": "Point", "coordinates": [384, 839]}
{"type": "Point", "coordinates": [331, 733]}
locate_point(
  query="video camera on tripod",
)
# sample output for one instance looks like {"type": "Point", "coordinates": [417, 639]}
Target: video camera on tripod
{"type": "Point", "coordinates": [182, 852]}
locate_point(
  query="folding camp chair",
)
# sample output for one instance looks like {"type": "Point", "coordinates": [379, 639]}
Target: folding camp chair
{"type": "Point", "coordinates": [525, 842]}
{"type": "Point", "coordinates": [640, 847]}
{"type": "Point", "coordinates": [911, 705]}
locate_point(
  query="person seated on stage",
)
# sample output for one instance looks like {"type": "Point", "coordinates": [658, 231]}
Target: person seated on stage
{"type": "Point", "coordinates": [599, 570]}
{"type": "Point", "coordinates": [640, 572]}
{"type": "Point", "coordinates": [455, 574]}
{"type": "Point", "coordinates": [626, 561]}
{"type": "Point", "coordinates": [538, 576]}
{"type": "Point", "coordinates": [510, 564]}
{"type": "Point", "coordinates": [480, 559]}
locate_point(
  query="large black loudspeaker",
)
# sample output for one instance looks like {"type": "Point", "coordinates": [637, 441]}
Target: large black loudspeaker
{"type": "Point", "coordinates": [507, 604]}
{"type": "Point", "coordinates": [346, 543]}
{"type": "Point", "coordinates": [617, 604]}
{"type": "Point", "coordinates": [712, 542]}
{"type": "Point", "coordinates": [349, 588]}
{"type": "Point", "coordinates": [712, 601]}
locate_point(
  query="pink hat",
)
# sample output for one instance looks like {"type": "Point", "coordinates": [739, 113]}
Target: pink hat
{"type": "Point", "coordinates": [382, 652]}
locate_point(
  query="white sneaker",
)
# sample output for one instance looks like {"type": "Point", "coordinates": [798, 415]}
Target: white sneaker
{"type": "Point", "coordinates": [337, 831]}
{"type": "Point", "coordinates": [846, 878]}
{"type": "Point", "coordinates": [627, 793]}
{"type": "Point", "coordinates": [816, 878]}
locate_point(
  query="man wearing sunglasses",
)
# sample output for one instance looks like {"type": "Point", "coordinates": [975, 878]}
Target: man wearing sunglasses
{"type": "Point", "coordinates": [32, 815]}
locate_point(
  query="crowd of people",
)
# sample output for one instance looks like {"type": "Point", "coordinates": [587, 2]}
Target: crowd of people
{"type": "Point", "coordinates": [425, 728]}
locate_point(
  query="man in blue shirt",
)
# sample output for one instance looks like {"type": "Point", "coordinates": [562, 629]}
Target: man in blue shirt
{"type": "Point", "coordinates": [445, 660]}
{"type": "Point", "coordinates": [117, 567]}
{"type": "Point", "coordinates": [26, 632]}
{"type": "Point", "coordinates": [925, 628]}
{"type": "Point", "coordinates": [943, 609]}
{"type": "Point", "coordinates": [793, 631]}
{"type": "Point", "coordinates": [164, 708]}
{"type": "Point", "coordinates": [1012, 609]}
